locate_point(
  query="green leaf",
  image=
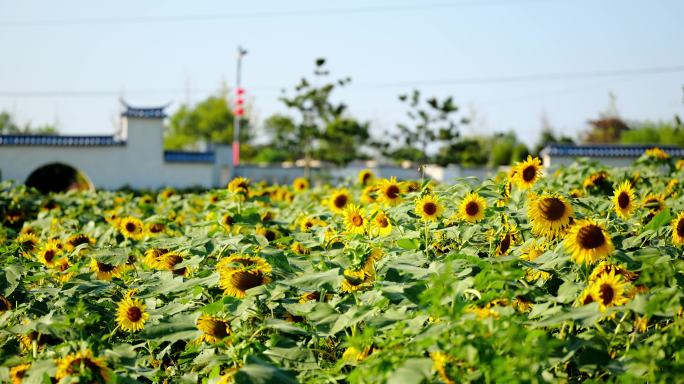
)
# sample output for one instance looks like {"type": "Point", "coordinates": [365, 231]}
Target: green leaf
{"type": "Point", "coordinates": [173, 329]}
{"type": "Point", "coordinates": [408, 243]}
{"type": "Point", "coordinates": [262, 373]}
{"type": "Point", "coordinates": [659, 220]}
{"type": "Point", "coordinates": [413, 371]}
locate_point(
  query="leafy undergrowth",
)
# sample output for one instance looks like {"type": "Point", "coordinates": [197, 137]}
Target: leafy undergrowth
{"type": "Point", "coordinates": [560, 277]}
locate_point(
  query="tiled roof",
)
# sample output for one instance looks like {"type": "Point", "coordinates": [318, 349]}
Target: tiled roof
{"type": "Point", "coordinates": [189, 157]}
{"type": "Point", "coordinates": [59, 140]}
{"type": "Point", "coordinates": [144, 113]}
{"type": "Point", "coordinates": [607, 150]}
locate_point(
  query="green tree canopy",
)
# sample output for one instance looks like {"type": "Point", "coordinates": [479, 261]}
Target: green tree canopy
{"type": "Point", "coordinates": [209, 121]}
{"type": "Point", "coordinates": [431, 121]}
{"type": "Point", "coordinates": [8, 126]}
{"type": "Point", "coordinates": [322, 128]}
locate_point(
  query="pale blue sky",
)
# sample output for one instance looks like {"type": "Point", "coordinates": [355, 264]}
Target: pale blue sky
{"type": "Point", "coordinates": [85, 46]}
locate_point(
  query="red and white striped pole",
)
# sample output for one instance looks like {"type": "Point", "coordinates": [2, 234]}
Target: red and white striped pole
{"type": "Point", "coordinates": [238, 108]}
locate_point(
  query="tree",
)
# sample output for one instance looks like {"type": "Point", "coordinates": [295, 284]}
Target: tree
{"type": "Point", "coordinates": [548, 136]}
{"type": "Point", "coordinates": [654, 133]}
{"type": "Point", "coordinates": [208, 122]}
{"type": "Point", "coordinates": [431, 122]}
{"type": "Point", "coordinates": [608, 127]}
{"type": "Point", "coordinates": [284, 144]}
{"type": "Point", "coordinates": [9, 127]}
{"type": "Point", "coordinates": [323, 129]}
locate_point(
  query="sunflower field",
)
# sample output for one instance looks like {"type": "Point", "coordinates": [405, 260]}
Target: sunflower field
{"type": "Point", "coordinates": [531, 276]}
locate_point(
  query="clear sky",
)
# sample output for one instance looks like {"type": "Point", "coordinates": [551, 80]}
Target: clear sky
{"type": "Point", "coordinates": [110, 48]}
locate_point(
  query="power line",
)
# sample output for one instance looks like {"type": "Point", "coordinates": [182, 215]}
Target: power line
{"type": "Point", "coordinates": [258, 15]}
{"type": "Point", "coordinates": [402, 84]}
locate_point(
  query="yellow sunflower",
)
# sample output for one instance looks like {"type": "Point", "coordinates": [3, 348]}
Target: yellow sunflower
{"type": "Point", "coordinates": [624, 200]}
{"type": "Point", "coordinates": [339, 200]}
{"type": "Point", "coordinates": [131, 315]}
{"type": "Point", "coordinates": [353, 355]}
{"type": "Point", "coordinates": [83, 365]}
{"type": "Point", "coordinates": [78, 239]}
{"type": "Point", "coordinates": [506, 241]}
{"type": "Point", "coordinates": [366, 176]}
{"type": "Point", "coordinates": [28, 243]}
{"type": "Point", "coordinates": [213, 329]}
{"type": "Point", "coordinates": [239, 186]}
{"type": "Point", "coordinates": [238, 273]}
{"type": "Point", "coordinates": [299, 248]}
{"type": "Point", "coordinates": [588, 242]}
{"type": "Point", "coordinates": [528, 172]}
{"type": "Point", "coordinates": [368, 195]}
{"type": "Point", "coordinates": [153, 257]}
{"type": "Point", "coordinates": [155, 228]}
{"type": "Point", "coordinates": [428, 208]}
{"type": "Point", "coordinates": [355, 280]}
{"type": "Point", "coordinates": [549, 214]}
{"type": "Point", "coordinates": [307, 223]}
{"type": "Point", "coordinates": [598, 180]}
{"type": "Point", "coordinates": [167, 193]}
{"type": "Point", "coordinates": [472, 208]}
{"type": "Point", "coordinates": [300, 184]}
{"type": "Point", "coordinates": [678, 230]}
{"type": "Point", "coordinates": [389, 191]}
{"type": "Point", "coordinates": [532, 251]}
{"type": "Point", "coordinates": [654, 203]}
{"type": "Point", "coordinates": [131, 228]}
{"type": "Point", "coordinates": [105, 271]}
{"type": "Point", "coordinates": [18, 372]}
{"type": "Point", "coordinates": [381, 225]}
{"type": "Point", "coordinates": [269, 233]}
{"type": "Point", "coordinates": [439, 363]}
{"type": "Point", "coordinates": [609, 290]}
{"type": "Point", "coordinates": [227, 221]}
{"type": "Point", "coordinates": [605, 267]}
{"type": "Point", "coordinates": [656, 153]}
{"type": "Point", "coordinates": [49, 254]}
{"type": "Point", "coordinates": [168, 262]}
{"type": "Point", "coordinates": [355, 220]}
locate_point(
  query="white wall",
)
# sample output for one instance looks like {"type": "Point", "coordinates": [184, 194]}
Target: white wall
{"type": "Point", "coordinates": [138, 164]}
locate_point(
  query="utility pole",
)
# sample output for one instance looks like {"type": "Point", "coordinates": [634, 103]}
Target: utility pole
{"type": "Point", "coordinates": [238, 111]}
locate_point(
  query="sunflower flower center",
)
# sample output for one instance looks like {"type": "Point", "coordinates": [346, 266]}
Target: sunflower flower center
{"type": "Point", "coordinates": [607, 293]}
{"type": "Point", "coordinates": [134, 314]}
{"type": "Point", "coordinates": [472, 208]}
{"type": "Point", "coordinates": [49, 255]}
{"type": "Point", "coordinates": [357, 220]}
{"type": "Point", "coordinates": [28, 245]}
{"type": "Point", "coordinates": [78, 240]}
{"type": "Point", "coordinates": [217, 329]}
{"type": "Point", "coordinates": [392, 191]}
{"type": "Point", "coordinates": [244, 280]}
{"type": "Point", "coordinates": [429, 208]}
{"type": "Point", "coordinates": [623, 200]}
{"type": "Point", "coordinates": [529, 173]}
{"type": "Point", "coordinates": [130, 227]}
{"type": "Point", "coordinates": [269, 235]}
{"type": "Point", "coordinates": [75, 365]}
{"type": "Point", "coordinates": [680, 227]}
{"type": "Point", "coordinates": [340, 201]}
{"type": "Point", "coordinates": [381, 220]}
{"type": "Point", "coordinates": [104, 267]}
{"type": "Point", "coordinates": [505, 243]}
{"type": "Point", "coordinates": [588, 299]}
{"type": "Point", "coordinates": [590, 237]}
{"type": "Point", "coordinates": [552, 208]}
